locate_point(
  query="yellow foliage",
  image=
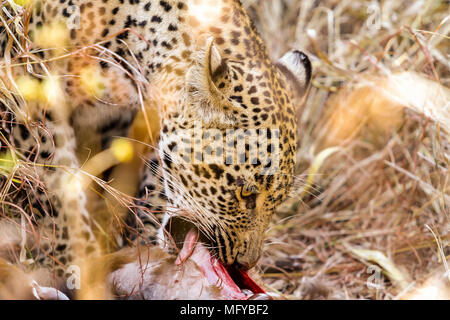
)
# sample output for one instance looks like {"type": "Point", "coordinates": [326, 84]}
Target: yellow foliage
{"type": "Point", "coordinates": [30, 88]}
{"type": "Point", "coordinates": [23, 2]}
{"type": "Point", "coordinates": [52, 91]}
{"type": "Point", "coordinates": [53, 35]}
{"type": "Point", "coordinates": [123, 150]}
{"type": "Point", "coordinates": [49, 90]}
{"type": "Point", "coordinates": [7, 162]}
{"type": "Point", "coordinates": [92, 81]}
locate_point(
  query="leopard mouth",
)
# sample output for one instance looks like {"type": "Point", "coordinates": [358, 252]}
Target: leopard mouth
{"type": "Point", "coordinates": [192, 244]}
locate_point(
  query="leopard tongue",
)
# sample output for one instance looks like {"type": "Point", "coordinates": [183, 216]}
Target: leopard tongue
{"type": "Point", "coordinates": [215, 271]}
{"type": "Point", "coordinates": [188, 247]}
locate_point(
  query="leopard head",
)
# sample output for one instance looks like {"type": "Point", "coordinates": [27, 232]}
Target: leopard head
{"type": "Point", "coordinates": [229, 154]}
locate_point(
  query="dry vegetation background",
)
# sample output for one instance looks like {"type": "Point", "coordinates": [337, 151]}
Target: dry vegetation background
{"type": "Point", "coordinates": [374, 187]}
{"type": "Point", "coordinates": [370, 214]}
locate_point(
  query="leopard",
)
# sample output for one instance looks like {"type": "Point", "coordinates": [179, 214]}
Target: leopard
{"type": "Point", "coordinates": [226, 151]}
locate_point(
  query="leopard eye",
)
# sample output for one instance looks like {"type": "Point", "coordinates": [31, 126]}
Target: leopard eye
{"type": "Point", "coordinates": [245, 192]}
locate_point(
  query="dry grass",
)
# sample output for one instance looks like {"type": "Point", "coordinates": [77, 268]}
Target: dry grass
{"type": "Point", "coordinates": [374, 156]}
{"type": "Point", "coordinates": [373, 167]}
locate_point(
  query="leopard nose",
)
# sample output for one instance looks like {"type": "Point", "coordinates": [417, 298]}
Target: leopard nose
{"type": "Point", "coordinates": [247, 260]}
{"type": "Point", "coordinates": [241, 265]}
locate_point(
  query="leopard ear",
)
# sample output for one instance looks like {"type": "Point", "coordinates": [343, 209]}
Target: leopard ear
{"type": "Point", "coordinates": [217, 65]}
{"type": "Point", "coordinates": [297, 68]}
{"type": "Point", "coordinates": [208, 83]}
{"type": "Point", "coordinates": [210, 67]}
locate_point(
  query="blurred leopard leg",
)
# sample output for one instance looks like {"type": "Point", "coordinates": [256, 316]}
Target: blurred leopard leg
{"type": "Point", "coordinates": [58, 205]}
{"type": "Point", "coordinates": [150, 208]}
